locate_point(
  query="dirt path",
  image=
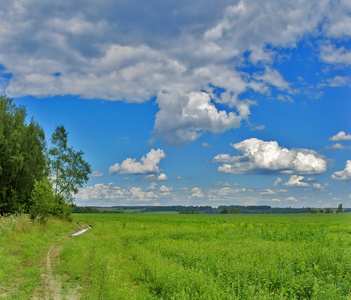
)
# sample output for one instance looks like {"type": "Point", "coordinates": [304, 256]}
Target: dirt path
{"type": "Point", "coordinates": [51, 285]}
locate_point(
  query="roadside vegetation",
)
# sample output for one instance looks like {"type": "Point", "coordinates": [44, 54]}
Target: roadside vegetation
{"type": "Point", "coordinates": [23, 248]}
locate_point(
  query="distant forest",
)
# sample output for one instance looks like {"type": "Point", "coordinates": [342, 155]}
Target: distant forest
{"type": "Point", "coordinates": [230, 209]}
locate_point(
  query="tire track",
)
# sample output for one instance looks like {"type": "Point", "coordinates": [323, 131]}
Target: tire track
{"type": "Point", "coordinates": [52, 284]}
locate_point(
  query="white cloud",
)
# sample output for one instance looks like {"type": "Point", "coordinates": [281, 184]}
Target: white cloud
{"type": "Point", "coordinates": [165, 189]}
{"type": "Point", "coordinates": [220, 183]}
{"type": "Point", "coordinates": [292, 199]}
{"type": "Point", "coordinates": [147, 165]}
{"type": "Point", "coordinates": [152, 186]}
{"type": "Point", "coordinates": [96, 174]}
{"type": "Point", "coordinates": [259, 127]}
{"type": "Point", "coordinates": [337, 81]}
{"type": "Point", "coordinates": [345, 174]}
{"type": "Point", "coordinates": [296, 181]}
{"type": "Point", "coordinates": [272, 77]}
{"type": "Point", "coordinates": [119, 50]}
{"type": "Point", "coordinates": [162, 177]}
{"type": "Point", "coordinates": [227, 194]}
{"type": "Point", "coordinates": [197, 193]}
{"type": "Point", "coordinates": [277, 181]}
{"type": "Point", "coordinates": [285, 98]}
{"type": "Point", "coordinates": [205, 145]}
{"type": "Point", "coordinates": [184, 117]}
{"type": "Point", "coordinates": [268, 192]}
{"type": "Point", "coordinates": [318, 186]}
{"type": "Point", "coordinates": [341, 136]}
{"type": "Point", "coordinates": [102, 191]}
{"type": "Point", "coordinates": [258, 156]}
{"type": "Point", "coordinates": [272, 192]}
{"type": "Point", "coordinates": [150, 177]}
{"type": "Point", "coordinates": [338, 146]}
{"type": "Point", "coordinates": [333, 55]}
{"type": "Point", "coordinates": [275, 200]}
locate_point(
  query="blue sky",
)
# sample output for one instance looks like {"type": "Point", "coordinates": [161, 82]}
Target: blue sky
{"type": "Point", "coordinates": [201, 103]}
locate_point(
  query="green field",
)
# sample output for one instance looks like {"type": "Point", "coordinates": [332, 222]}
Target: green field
{"type": "Point", "coordinates": [167, 256]}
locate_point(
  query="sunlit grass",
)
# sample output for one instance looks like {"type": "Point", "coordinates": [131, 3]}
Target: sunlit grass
{"type": "Point", "coordinates": [23, 246]}
{"type": "Point", "coordinates": [148, 256]}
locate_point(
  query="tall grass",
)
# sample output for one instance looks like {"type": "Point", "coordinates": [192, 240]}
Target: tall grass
{"type": "Point", "coordinates": [23, 247]}
{"type": "Point", "coordinates": [211, 257]}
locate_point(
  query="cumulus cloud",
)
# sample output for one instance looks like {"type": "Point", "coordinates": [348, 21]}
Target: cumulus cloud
{"type": "Point", "coordinates": [338, 146]}
{"type": "Point", "coordinates": [102, 191]}
{"type": "Point", "coordinates": [165, 189]}
{"type": "Point", "coordinates": [197, 193]}
{"type": "Point", "coordinates": [345, 174]}
{"type": "Point", "coordinates": [120, 51]}
{"type": "Point", "coordinates": [318, 186]}
{"type": "Point", "coordinates": [147, 165]}
{"type": "Point", "coordinates": [110, 192]}
{"type": "Point", "coordinates": [341, 136]}
{"type": "Point", "coordinates": [184, 117]}
{"type": "Point", "coordinates": [152, 186]}
{"type": "Point", "coordinates": [257, 156]}
{"type": "Point", "coordinates": [296, 181]}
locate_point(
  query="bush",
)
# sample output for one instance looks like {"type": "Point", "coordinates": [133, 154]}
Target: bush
{"type": "Point", "coordinates": [46, 203]}
{"type": "Point", "coordinates": [42, 201]}
{"type": "Point", "coordinates": [61, 208]}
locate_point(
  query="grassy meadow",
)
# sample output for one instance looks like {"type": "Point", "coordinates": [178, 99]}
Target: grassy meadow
{"type": "Point", "coordinates": [167, 256]}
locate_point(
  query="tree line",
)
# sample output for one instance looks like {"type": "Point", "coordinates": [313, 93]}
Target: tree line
{"type": "Point", "coordinates": [35, 178]}
{"type": "Point", "coordinates": [222, 209]}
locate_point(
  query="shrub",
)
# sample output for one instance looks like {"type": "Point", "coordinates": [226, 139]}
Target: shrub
{"type": "Point", "coordinates": [43, 201]}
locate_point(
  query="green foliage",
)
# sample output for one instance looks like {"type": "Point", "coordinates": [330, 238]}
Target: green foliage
{"type": "Point", "coordinates": [46, 203]}
{"type": "Point", "coordinates": [224, 211]}
{"type": "Point", "coordinates": [61, 208]}
{"type": "Point", "coordinates": [146, 256]}
{"type": "Point", "coordinates": [22, 157]}
{"type": "Point", "coordinates": [24, 166]}
{"type": "Point", "coordinates": [23, 252]}
{"type": "Point", "coordinates": [234, 210]}
{"type": "Point", "coordinates": [69, 170]}
{"type": "Point", "coordinates": [339, 209]}
{"type": "Point", "coordinates": [43, 201]}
